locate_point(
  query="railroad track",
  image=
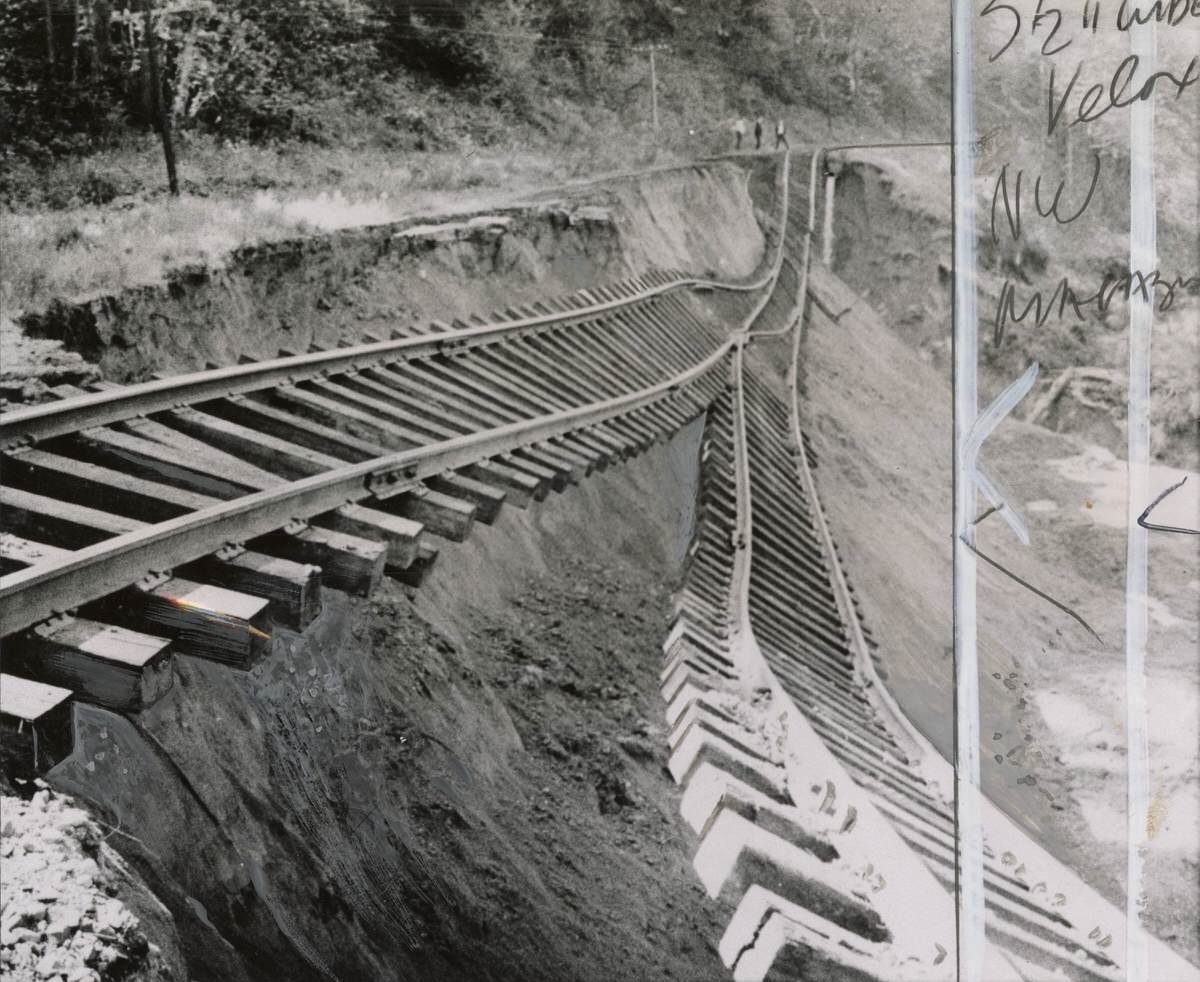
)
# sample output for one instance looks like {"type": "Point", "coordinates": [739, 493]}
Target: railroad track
{"type": "Point", "coordinates": [192, 513]}
{"type": "Point", "coordinates": [825, 818]}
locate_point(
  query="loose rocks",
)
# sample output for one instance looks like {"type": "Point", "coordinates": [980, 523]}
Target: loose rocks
{"type": "Point", "coordinates": [58, 918]}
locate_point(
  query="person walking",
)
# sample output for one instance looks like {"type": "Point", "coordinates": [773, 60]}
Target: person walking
{"type": "Point", "coordinates": [781, 135]}
{"type": "Point", "coordinates": [739, 131]}
{"type": "Point", "coordinates": [758, 130]}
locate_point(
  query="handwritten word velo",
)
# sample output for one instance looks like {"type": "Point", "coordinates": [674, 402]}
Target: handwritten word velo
{"type": "Point", "coordinates": [1090, 107]}
{"type": "Point", "coordinates": [1012, 206]}
{"type": "Point", "coordinates": [1063, 296]}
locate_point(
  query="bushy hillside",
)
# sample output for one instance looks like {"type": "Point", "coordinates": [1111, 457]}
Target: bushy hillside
{"type": "Point", "coordinates": [82, 76]}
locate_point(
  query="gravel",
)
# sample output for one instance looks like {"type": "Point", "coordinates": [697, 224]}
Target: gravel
{"type": "Point", "coordinates": [59, 916]}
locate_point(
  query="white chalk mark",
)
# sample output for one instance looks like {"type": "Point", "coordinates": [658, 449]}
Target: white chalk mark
{"type": "Point", "coordinates": [968, 819]}
{"type": "Point", "coordinates": [1002, 501]}
{"type": "Point", "coordinates": [987, 421]}
{"type": "Point", "coordinates": [1142, 255]}
{"type": "Point", "coordinates": [982, 428]}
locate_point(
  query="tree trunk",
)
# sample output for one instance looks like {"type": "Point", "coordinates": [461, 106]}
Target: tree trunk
{"type": "Point", "coordinates": [101, 32]}
{"type": "Point", "coordinates": [162, 117]}
{"type": "Point", "coordinates": [146, 94]}
{"type": "Point", "coordinates": [93, 51]}
{"type": "Point", "coordinates": [48, 88]}
{"type": "Point", "coordinates": [74, 45]}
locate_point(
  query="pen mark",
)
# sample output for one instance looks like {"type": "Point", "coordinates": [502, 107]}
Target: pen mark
{"type": "Point", "coordinates": [990, 511]}
{"type": "Point", "coordinates": [1029, 586]}
{"type": "Point", "coordinates": [1164, 528]}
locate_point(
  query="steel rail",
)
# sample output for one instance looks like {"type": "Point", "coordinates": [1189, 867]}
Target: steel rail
{"type": "Point", "coordinates": [48, 420]}
{"type": "Point", "coordinates": [780, 245]}
{"type": "Point", "coordinates": [39, 592]}
{"type": "Point", "coordinates": [933, 767]}
{"type": "Point", "coordinates": [808, 753]}
{"type": "Point", "coordinates": [34, 594]}
{"type": "Point", "coordinates": [747, 659]}
{"type": "Point", "coordinates": [746, 655]}
{"type": "Point", "coordinates": [1087, 905]}
{"type": "Point", "coordinates": [865, 665]}
{"type": "Point", "coordinates": [33, 424]}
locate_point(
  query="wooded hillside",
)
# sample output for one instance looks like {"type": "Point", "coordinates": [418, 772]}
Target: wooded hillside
{"type": "Point", "coordinates": [77, 76]}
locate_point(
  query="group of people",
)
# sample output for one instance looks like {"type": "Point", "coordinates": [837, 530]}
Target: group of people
{"type": "Point", "coordinates": [739, 131]}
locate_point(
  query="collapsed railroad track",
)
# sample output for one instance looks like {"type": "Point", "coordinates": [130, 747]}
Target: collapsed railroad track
{"type": "Point", "coordinates": [247, 478]}
{"type": "Point", "coordinates": [189, 513]}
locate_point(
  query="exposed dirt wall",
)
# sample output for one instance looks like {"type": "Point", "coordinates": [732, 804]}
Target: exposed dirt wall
{"type": "Point", "coordinates": [465, 782]}
{"type": "Point", "coordinates": [343, 286]}
{"type": "Point", "coordinates": [880, 419]}
{"type": "Point", "coordinates": [892, 245]}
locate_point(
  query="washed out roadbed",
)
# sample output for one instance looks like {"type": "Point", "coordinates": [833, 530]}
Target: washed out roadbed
{"type": "Point", "coordinates": [464, 782]}
{"type": "Point", "coordinates": [605, 889]}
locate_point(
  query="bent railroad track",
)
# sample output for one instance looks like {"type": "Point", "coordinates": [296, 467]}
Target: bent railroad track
{"type": "Point", "coordinates": [342, 458]}
{"type": "Point", "coordinates": [188, 513]}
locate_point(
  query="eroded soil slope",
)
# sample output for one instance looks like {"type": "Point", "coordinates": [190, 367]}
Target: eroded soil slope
{"type": "Point", "coordinates": [1052, 704]}
{"type": "Point", "coordinates": [893, 246]}
{"type": "Point", "coordinates": [353, 284]}
{"type": "Point", "coordinates": [465, 781]}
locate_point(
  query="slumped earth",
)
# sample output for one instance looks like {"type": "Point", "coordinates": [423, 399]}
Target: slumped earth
{"type": "Point", "coordinates": [467, 781]}
{"type": "Point", "coordinates": [462, 782]}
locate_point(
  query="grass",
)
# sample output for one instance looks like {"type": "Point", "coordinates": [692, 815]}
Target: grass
{"type": "Point", "coordinates": [85, 226]}
{"type": "Point", "coordinates": [94, 225]}
{"type": "Point", "coordinates": [239, 194]}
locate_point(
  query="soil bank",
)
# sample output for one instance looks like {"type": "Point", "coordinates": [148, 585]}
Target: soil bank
{"type": "Point", "coordinates": [465, 781]}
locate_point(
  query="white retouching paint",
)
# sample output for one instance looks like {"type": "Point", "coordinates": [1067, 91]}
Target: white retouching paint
{"type": "Point", "coordinates": [1093, 917]}
{"type": "Point", "coordinates": [1096, 922]}
{"type": "Point", "coordinates": [709, 786]}
{"type": "Point", "coordinates": [1143, 250]}
{"type": "Point", "coordinates": [827, 233]}
{"type": "Point", "coordinates": [750, 666]}
{"type": "Point", "coordinates": [968, 822]}
{"type": "Point", "coordinates": [908, 897]}
{"type": "Point", "coordinates": [731, 834]}
{"type": "Point", "coordinates": [985, 424]}
{"type": "Point", "coordinates": [1003, 501]}
{"type": "Point", "coordinates": [764, 922]}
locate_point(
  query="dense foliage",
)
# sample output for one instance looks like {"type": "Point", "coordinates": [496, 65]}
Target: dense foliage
{"type": "Point", "coordinates": [75, 73]}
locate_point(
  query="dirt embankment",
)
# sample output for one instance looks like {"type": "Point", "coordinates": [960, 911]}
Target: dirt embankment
{"type": "Point", "coordinates": [463, 782]}
{"type": "Point", "coordinates": [1053, 704]}
{"type": "Point", "coordinates": [893, 247]}
{"type": "Point", "coordinates": [344, 286]}
{"type": "Point", "coordinates": [1051, 695]}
